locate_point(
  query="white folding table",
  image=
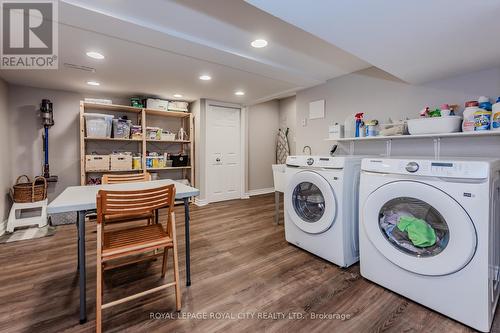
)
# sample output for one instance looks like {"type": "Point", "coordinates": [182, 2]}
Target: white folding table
{"type": "Point", "coordinates": [82, 199]}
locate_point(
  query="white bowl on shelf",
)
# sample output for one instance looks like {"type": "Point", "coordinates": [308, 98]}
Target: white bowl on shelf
{"type": "Point", "coordinates": [435, 125]}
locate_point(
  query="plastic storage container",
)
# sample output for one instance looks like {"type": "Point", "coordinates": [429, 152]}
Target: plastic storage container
{"type": "Point", "coordinates": [121, 128]}
{"type": "Point", "coordinates": [471, 108]}
{"type": "Point", "coordinates": [137, 162]}
{"type": "Point", "coordinates": [168, 136]}
{"type": "Point", "coordinates": [484, 103]}
{"type": "Point", "coordinates": [495, 117]}
{"type": "Point", "coordinates": [435, 125]}
{"type": "Point", "coordinates": [157, 104]}
{"type": "Point", "coordinates": [178, 106]}
{"type": "Point", "coordinates": [482, 120]}
{"type": "Point", "coordinates": [98, 125]}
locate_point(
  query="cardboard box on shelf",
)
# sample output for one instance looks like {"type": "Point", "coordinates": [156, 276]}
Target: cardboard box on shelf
{"type": "Point", "coordinates": [121, 162]}
{"type": "Point", "coordinates": [97, 162]}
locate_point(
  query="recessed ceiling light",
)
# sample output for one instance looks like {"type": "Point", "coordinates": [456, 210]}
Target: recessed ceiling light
{"type": "Point", "coordinates": [178, 96]}
{"type": "Point", "coordinates": [239, 93]}
{"type": "Point", "coordinates": [93, 83]}
{"type": "Point", "coordinates": [95, 55]}
{"type": "Point", "coordinates": [205, 77]}
{"type": "Point", "coordinates": [259, 43]}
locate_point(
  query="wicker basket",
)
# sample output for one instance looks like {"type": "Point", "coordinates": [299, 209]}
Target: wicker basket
{"type": "Point", "coordinates": [29, 191]}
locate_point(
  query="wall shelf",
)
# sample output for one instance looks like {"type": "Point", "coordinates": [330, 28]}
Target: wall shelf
{"type": "Point", "coordinates": [421, 136]}
{"type": "Point", "coordinates": [436, 139]}
{"type": "Point", "coordinates": [141, 117]}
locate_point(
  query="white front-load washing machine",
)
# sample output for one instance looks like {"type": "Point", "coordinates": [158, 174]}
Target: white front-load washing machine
{"type": "Point", "coordinates": [429, 230]}
{"type": "Point", "coordinates": [321, 206]}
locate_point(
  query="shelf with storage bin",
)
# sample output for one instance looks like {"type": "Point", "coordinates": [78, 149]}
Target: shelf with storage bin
{"type": "Point", "coordinates": [169, 141]}
{"type": "Point", "coordinates": [139, 117]}
{"type": "Point", "coordinates": [112, 139]}
{"type": "Point", "coordinates": [176, 114]}
{"type": "Point", "coordinates": [111, 107]}
{"type": "Point", "coordinates": [169, 168]}
{"type": "Point", "coordinates": [112, 171]}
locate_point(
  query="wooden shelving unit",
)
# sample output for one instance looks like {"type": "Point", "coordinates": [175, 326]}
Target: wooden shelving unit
{"type": "Point", "coordinates": [140, 115]}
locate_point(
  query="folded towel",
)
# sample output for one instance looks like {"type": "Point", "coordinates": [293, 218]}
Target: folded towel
{"type": "Point", "coordinates": [420, 232]}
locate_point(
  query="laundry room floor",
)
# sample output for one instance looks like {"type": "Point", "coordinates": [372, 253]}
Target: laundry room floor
{"type": "Point", "coordinates": [245, 276]}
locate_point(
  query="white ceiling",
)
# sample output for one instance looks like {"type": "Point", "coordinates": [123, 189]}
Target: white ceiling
{"type": "Point", "coordinates": [416, 41]}
{"type": "Point", "coordinates": [161, 47]}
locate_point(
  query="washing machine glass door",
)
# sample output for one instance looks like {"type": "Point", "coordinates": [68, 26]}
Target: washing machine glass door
{"type": "Point", "coordinates": [419, 228]}
{"type": "Point", "coordinates": [311, 202]}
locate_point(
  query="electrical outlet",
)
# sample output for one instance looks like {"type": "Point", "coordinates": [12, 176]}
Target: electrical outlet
{"type": "Point", "coordinates": [304, 122]}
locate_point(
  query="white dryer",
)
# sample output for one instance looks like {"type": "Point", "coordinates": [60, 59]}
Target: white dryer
{"type": "Point", "coordinates": [321, 206]}
{"type": "Point", "coordinates": [429, 230]}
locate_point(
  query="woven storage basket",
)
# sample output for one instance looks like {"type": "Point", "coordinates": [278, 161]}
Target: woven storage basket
{"type": "Point", "coordinates": [29, 191]}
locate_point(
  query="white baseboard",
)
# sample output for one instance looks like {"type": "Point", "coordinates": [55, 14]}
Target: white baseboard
{"type": "Point", "coordinates": [245, 195]}
{"type": "Point", "coordinates": [261, 191]}
{"type": "Point", "coordinates": [3, 227]}
{"type": "Point", "coordinates": [200, 202]}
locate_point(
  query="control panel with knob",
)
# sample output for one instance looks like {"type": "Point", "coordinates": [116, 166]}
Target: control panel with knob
{"type": "Point", "coordinates": [412, 167]}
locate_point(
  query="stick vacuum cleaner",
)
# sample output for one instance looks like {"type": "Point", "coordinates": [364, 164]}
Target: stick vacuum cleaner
{"type": "Point", "coordinates": [48, 121]}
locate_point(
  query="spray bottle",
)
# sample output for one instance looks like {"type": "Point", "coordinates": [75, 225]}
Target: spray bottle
{"type": "Point", "coordinates": [359, 122]}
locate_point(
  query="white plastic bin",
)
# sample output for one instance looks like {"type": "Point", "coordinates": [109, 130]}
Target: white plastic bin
{"type": "Point", "coordinates": [98, 125]}
{"type": "Point", "coordinates": [279, 177]}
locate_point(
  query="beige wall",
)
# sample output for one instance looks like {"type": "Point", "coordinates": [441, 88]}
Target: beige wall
{"type": "Point", "coordinates": [5, 153]}
{"type": "Point", "coordinates": [263, 124]}
{"type": "Point", "coordinates": [288, 119]}
{"type": "Point", "coordinates": [381, 96]}
{"type": "Point", "coordinates": [26, 135]}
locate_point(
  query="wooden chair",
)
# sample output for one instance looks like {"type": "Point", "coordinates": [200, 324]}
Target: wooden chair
{"type": "Point", "coordinates": [128, 178]}
{"type": "Point", "coordinates": [135, 240]}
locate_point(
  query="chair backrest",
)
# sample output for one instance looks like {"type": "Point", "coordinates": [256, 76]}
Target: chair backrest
{"type": "Point", "coordinates": [134, 202]}
{"type": "Point", "coordinates": [127, 178]}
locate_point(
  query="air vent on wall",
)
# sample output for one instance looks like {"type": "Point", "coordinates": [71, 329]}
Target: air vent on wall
{"type": "Point", "coordinates": [79, 67]}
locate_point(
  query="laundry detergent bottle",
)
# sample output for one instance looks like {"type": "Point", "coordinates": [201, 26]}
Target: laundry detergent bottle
{"type": "Point", "coordinates": [471, 108]}
{"type": "Point", "coordinates": [495, 117]}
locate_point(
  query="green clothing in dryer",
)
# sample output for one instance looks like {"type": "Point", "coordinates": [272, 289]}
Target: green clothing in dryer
{"type": "Point", "coordinates": [420, 233]}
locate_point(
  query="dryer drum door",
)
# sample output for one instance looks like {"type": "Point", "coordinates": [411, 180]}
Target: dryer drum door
{"type": "Point", "coordinates": [419, 228]}
{"type": "Point", "coordinates": [310, 202]}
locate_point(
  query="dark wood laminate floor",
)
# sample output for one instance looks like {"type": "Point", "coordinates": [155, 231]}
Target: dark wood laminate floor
{"type": "Point", "coordinates": [241, 267]}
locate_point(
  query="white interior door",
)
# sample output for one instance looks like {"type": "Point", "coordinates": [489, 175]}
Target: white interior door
{"type": "Point", "coordinates": [223, 144]}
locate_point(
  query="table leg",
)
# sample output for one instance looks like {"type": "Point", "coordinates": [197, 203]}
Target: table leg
{"type": "Point", "coordinates": [78, 245]}
{"type": "Point", "coordinates": [277, 207]}
{"type": "Point", "coordinates": [188, 249]}
{"type": "Point", "coordinates": [81, 266]}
